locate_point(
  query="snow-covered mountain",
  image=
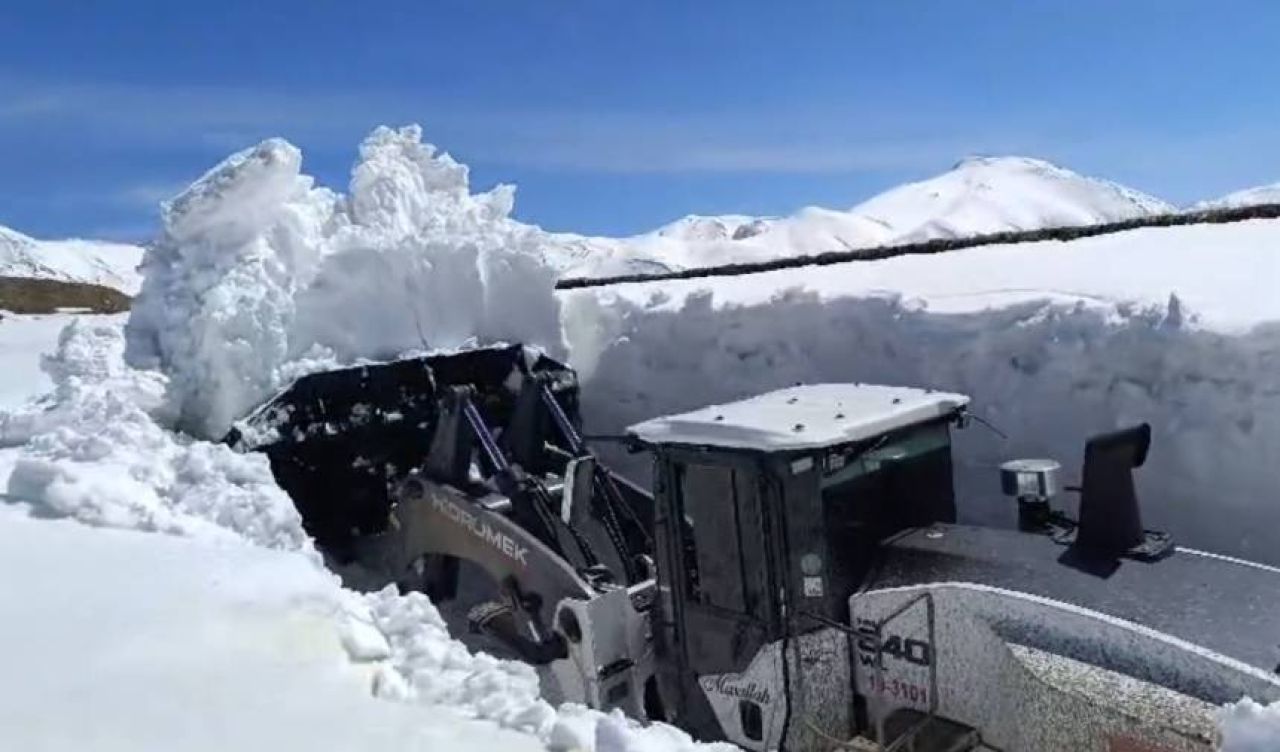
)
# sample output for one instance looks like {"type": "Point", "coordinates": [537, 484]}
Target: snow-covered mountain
{"type": "Point", "coordinates": [979, 195]}
{"type": "Point", "coordinates": [993, 194]}
{"type": "Point", "coordinates": [94, 261]}
{"type": "Point", "coordinates": [1262, 194]}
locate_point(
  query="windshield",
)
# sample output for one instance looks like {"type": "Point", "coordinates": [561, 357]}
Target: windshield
{"type": "Point", "coordinates": [872, 491]}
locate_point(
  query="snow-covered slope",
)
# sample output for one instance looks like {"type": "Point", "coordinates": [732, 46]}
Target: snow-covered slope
{"type": "Point", "coordinates": [993, 194]}
{"type": "Point", "coordinates": [1262, 194]}
{"type": "Point", "coordinates": [980, 195]}
{"type": "Point", "coordinates": [98, 262]}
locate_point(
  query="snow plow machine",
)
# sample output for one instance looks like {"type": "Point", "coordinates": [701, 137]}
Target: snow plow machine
{"type": "Point", "coordinates": [796, 579]}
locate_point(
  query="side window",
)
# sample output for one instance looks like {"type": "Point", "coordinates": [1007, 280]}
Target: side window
{"type": "Point", "coordinates": [713, 531]}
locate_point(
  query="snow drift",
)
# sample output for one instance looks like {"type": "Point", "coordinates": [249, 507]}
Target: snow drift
{"type": "Point", "coordinates": [258, 272]}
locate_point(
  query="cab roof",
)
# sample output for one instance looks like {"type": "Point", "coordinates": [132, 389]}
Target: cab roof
{"type": "Point", "coordinates": [802, 417]}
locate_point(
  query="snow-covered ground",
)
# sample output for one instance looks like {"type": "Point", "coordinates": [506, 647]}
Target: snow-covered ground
{"type": "Point", "coordinates": [122, 640]}
{"type": "Point", "coordinates": [94, 261]}
{"type": "Point", "coordinates": [214, 622]}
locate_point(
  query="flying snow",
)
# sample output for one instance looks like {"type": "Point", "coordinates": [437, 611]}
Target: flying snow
{"type": "Point", "coordinates": [257, 268]}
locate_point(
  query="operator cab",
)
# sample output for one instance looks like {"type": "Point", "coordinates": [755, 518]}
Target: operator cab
{"type": "Point", "coordinates": [828, 470]}
{"type": "Point", "coordinates": [775, 506]}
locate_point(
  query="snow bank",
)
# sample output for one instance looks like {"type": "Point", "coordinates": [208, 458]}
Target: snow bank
{"type": "Point", "coordinates": [1054, 341]}
{"type": "Point", "coordinates": [97, 450]}
{"type": "Point", "coordinates": [1248, 726]}
{"type": "Point", "coordinates": [94, 451]}
{"type": "Point", "coordinates": [257, 268]}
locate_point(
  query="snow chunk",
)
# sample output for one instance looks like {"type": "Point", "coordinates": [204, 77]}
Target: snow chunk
{"type": "Point", "coordinates": [97, 453]}
{"type": "Point", "coordinates": [1248, 726]}
{"type": "Point", "coordinates": [257, 269]}
{"type": "Point", "coordinates": [438, 670]}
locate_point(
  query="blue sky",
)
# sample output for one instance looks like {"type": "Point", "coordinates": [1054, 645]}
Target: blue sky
{"type": "Point", "coordinates": [614, 117]}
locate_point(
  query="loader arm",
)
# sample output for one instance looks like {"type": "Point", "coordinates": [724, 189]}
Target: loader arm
{"type": "Point", "coordinates": [431, 519]}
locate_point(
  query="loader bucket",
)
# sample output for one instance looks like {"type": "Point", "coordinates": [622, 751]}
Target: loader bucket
{"type": "Point", "coordinates": [338, 439]}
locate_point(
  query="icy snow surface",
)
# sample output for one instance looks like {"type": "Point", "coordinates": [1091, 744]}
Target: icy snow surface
{"type": "Point", "coordinates": [94, 261]}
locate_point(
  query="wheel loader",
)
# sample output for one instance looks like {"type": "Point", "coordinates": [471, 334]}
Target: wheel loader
{"type": "Point", "coordinates": [796, 578]}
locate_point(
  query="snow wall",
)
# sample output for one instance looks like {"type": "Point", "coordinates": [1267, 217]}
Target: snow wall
{"type": "Point", "coordinates": [1047, 375]}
